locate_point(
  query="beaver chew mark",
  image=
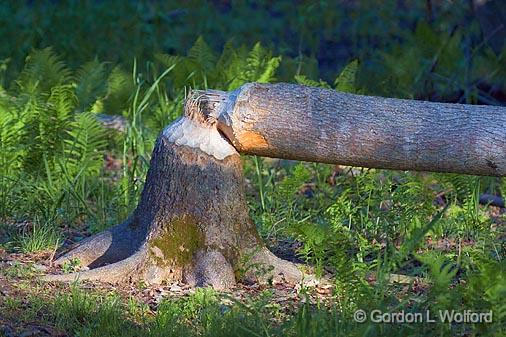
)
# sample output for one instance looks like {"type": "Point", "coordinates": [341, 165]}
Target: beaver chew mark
{"type": "Point", "coordinates": [250, 140]}
{"type": "Point", "coordinates": [191, 225]}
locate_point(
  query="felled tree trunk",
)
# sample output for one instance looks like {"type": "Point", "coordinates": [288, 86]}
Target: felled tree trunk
{"type": "Point", "coordinates": [317, 125]}
{"type": "Point", "coordinates": [192, 221]}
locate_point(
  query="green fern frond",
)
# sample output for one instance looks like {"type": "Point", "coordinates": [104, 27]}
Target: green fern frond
{"type": "Point", "coordinates": [84, 146]}
{"type": "Point", "coordinates": [441, 271]}
{"type": "Point", "coordinates": [90, 83]}
{"type": "Point", "coordinates": [302, 79]}
{"type": "Point", "coordinates": [119, 90]}
{"type": "Point", "coordinates": [11, 134]}
{"type": "Point", "coordinates": [227, 56]}
{"type": "Point", "coordinates": [202, 56]}
{"type": "Point", "coordinates": [269, 70]}
{"type": "Point", "coordinates": [259, 66]}
{"type": "Point", "coordinates": [168, 60]}
{"type": "Point", "coordinates": [464, 186]}
{"type": "Point", "coordinates": [55, 119]}
{"type": "Point", "coordinates": [62, 101]}
{"type": "Point", "coordinates": [256, 58]}
{"type": "Point", "coordinates": [293, 182]}
{"type": "Point", "coordinates": [43, 70]}
{"type": "Point", "coordinates": [46, 126]}
{"type": "Point", "coordinates": [230, 65]}
{"type": "Point", "coordinates": [259, 63]}
{"type": "Point", "coordinates": [233, 64]}
{"type": "Point", "coordinates": [346, 80]}
{"type": "Point", "coordinates": [233, 68]}
{"type": "Point", "coordinates": [57, 116]}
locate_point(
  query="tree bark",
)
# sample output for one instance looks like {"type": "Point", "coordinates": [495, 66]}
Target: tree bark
{"type": "Point", "coordinates": [192, 221]}
{"type": "Point", "coordinates": [318, 125]}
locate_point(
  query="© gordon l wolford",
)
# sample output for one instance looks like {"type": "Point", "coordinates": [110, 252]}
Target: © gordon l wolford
{"type": "Point", "coordinates": [444, 316]}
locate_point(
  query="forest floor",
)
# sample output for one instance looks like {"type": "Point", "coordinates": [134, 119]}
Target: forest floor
{"type": "Point", "coordinates": [28, 305]}
{"type": "Point", "coordinates": [24, 297]}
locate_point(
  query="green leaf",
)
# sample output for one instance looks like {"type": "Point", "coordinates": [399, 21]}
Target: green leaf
{"type": "Point", "coordinates": [43, 70]}
{"type": "Point", "coordinates": [84, 146]}
{"type": "Point", "coordinates": [302, 79]}
{"type": "Point", "coordinates": [202, 56]}
{"type": "Point", "coordinates": [345, 82]}
{"type": "Point", "coordinates": [119, 90]}
{"type": "Point", "coordinates": [91, 83]}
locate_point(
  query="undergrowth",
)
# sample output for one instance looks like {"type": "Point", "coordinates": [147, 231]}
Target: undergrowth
{"type": "Point", "coordinates": [62, 171]}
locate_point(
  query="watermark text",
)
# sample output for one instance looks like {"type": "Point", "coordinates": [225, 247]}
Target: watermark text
{"type": "Point", "coordinates": [443, 316]}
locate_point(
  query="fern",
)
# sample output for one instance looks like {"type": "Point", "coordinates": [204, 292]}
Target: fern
{"type": "Point", "coordinates": [229, 62]}
{"type": "Point", "coordinates": [234, 63]}
{"type": "Point", "coordinates": [202, 59]}
{"type": "Point", "coordinates": [46, 124]}
{"type": "Point", "coordinates": [426, 62]}
{"type": "Point", "coordinates": [43, 70]}
{"type": "Point", "coordinates": [257, 65]}
{"type": "Point", "coordinates": [55, 119]}
{"type": "Point", "coordinates": [293, 182]}
{"type": "Point", "coordinates": [90, 84]}
{"type": "Point", "coordinates": [346, 80]}
{"type": "Point", "coordinates": [255, 60]}
{"type": "Point", "coordinates": [316, 241]}
{"type": "Point", "coordinates": [11, 154]}
{"type": "Point", "coordinates": [119, 91]}
{"type": "Point", "coordinates": [83, 148]}
{"type": "Point", "coordinates": [51, 133]}
{"type": "Point", "coordinates": [486, 287]}
{"type": "Point", "coordinates": [442, 274]}
{"type": "Point", "coordinates": [269, 70]}
{"type": "Point", "coordinates": [11, 131]}
{"type": "Point", "coordinates": [233, 68]}
{"type": "Point", "coordinates": [202, 56]}
{"type": "Point", "coordinates": [261, 67]}
{"type": "Point", "coordinates": [464, 187]}
{"type": "Point", "coordinates": [302, 79]}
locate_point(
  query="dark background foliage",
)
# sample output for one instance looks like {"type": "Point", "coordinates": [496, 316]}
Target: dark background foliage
{"type": "Point", "coordinates": [86, 87]}
{"type": "Point", "coordinates": [406, 48]}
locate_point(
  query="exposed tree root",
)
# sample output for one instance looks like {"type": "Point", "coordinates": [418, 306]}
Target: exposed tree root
{"type": "Point", "coordinates": [267, 266]}
{"type": "Point", "coordinates": [116, 272]}
{"type": "Point", "coordinates": [109, 246]}
{"type": "Point", "coordinates": [192, 222]}
{"type": "Point", "coordinates": [210, 268]}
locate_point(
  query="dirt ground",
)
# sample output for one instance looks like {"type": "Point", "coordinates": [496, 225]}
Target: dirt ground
{"type": "Point", "coordinates": [20, 285]}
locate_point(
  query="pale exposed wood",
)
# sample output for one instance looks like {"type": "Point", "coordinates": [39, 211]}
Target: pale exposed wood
{"type": "Point", "coordinates": [318, 125]}
{"type": "Point", "coordinates": [191, 223]}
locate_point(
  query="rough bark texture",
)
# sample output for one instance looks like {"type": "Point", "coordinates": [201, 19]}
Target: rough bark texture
{"type": "Point", "coordinates": [318, 125]}
{"type": "Point", "coordinates": [192, 222]}
{"type": "Point", "coordinates": [191, 225]}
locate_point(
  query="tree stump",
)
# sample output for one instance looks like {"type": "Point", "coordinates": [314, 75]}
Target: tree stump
{"type": "Point", "coordinates": [192, 221]}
